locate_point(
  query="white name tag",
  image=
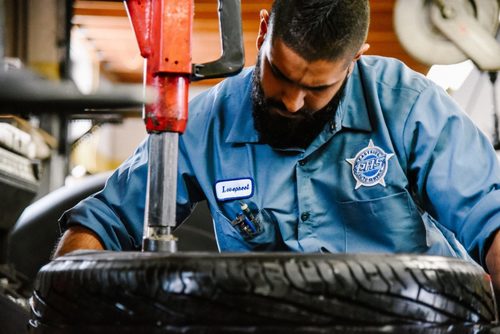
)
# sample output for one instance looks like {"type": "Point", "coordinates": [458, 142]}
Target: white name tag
{"type": "Point", "coordinates": [234, 189]}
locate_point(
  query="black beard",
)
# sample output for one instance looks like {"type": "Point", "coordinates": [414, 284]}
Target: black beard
{"type": "Point", "coordinates": [288, 132]}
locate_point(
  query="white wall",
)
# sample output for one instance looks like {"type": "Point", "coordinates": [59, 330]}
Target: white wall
{"type": "Point", "coordinates": [476, 98]}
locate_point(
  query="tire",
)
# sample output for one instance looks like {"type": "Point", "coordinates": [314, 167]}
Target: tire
{"type": "Point", "coordinates": [101, 292]}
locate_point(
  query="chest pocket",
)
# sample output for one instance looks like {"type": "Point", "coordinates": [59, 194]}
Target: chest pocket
{"type": "Point", "coordinates": [385, 224]}
{"type": "Point", "coordinates": [230, 239]}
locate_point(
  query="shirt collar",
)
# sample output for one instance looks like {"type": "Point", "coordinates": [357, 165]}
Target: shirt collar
{"type": "Point", "coordinates": [355, 113]}
{"type": "Point", "coordinates": [239, 103]}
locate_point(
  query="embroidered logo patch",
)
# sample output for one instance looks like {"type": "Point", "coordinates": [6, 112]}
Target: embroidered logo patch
{"type": "Point", "coordinates": [234, 189]}
{"type": "Point", "coordinates": [369, 166]}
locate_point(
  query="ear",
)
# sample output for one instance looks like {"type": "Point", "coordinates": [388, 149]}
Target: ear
{"type": "Point", "coordinates": [358, 55]}
{"type": "Point", "coordinates": [362, 50]}
{"type": "Point", "coordinates": [264, 20]}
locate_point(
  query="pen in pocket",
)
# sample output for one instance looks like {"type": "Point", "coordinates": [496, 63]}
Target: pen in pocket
{"type": "Point", "coordinates": [248, 225]}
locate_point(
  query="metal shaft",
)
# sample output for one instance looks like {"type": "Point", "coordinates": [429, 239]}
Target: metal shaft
{"type": "Point", "coordinates": [161, 193]}
{"type": "Point", "coordinates": [496, 135]}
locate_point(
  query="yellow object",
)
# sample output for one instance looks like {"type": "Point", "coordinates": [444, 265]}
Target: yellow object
{"type": "Point", "coordinates": [48, 70]}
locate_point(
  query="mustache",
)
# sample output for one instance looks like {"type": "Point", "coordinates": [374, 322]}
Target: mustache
{"type": "Point", "coordinates": [303, 113]}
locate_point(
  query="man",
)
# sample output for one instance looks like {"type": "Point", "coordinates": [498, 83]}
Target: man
{"type": "Point", "coordinates": [323, 150]}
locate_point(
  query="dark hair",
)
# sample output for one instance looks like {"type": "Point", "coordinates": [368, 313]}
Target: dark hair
{"type": "Point", "coordinates": [321, 29]}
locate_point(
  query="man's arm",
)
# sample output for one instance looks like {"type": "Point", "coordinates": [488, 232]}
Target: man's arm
{"type": "Point", "coordinates": [77, 237]}
{"type": "Point", "coordinates": [493, 261]}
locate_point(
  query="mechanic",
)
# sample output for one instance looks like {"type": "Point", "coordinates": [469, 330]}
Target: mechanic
{"type": "Point", "coordinates": [318, 148]}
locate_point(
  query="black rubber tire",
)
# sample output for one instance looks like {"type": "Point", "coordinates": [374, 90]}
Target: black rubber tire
{"type": "Point", "coordinates": [101, 292]}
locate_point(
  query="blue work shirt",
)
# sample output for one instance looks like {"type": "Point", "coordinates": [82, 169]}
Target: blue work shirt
{"type": "Point", "coordinates": [400, 169]}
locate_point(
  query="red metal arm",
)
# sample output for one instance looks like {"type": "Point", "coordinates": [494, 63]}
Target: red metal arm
{"type": "Point", "coordinates": [163, 29]}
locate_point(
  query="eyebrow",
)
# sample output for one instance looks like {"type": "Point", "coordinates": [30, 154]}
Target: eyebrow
{"type": "Point", "coordinates": [283, 77]}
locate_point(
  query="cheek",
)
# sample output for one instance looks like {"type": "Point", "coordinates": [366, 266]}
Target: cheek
{"type": "Point", "coordinates": [315, 102]}
{"type": "Point", "coordinates": [270, 86]}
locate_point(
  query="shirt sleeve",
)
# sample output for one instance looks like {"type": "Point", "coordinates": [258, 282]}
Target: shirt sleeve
{"type": "Point", "coordinates": [454, 169]}
{"type": "Point", "coordinates": [116, 213]}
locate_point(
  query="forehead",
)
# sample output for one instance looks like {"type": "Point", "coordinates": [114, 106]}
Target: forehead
{"type": "Point", "coordinates": [296, 68]}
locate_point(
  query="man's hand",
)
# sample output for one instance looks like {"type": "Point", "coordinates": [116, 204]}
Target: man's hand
{"type": "Point", "coordinates": [77, 237]}
{"type": "Point", "coordinates": [493, 261]}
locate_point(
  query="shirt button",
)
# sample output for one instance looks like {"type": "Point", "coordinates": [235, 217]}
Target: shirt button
{"type": "Point", "coordinates": [305, 216]}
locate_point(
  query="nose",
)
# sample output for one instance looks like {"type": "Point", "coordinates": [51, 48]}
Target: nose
{"type": "Point", "coordinates": [293, 99]}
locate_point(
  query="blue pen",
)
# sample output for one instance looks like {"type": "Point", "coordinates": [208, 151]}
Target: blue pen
{"type": "Point", "coordinates": [246, 222]}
